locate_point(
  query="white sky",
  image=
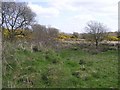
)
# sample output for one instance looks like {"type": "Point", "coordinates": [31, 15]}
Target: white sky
{"type": "Point", "coordinates": [72, 15]}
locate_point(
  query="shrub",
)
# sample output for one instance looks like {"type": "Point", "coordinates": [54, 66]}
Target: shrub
{"type": "Point", "coordinates": [75, 48]}
{"type": "Point", "coordinates": [76, 74]}
{"type": "Point", "coordinates": [18, 34]}
{"type": "Point", "coordinates": [52, 56]}
{"type": "Point", "coordinates": [81, 62]}
{"type": "Point", "coordinates": [85, 76]}
{"type": "Point", "coordinates": [53, 75]}
{"type": "Point", "coordinates": [63, 36]}
{"type": "Point", "coordinates": [112, 38]}
{"type": "Point", "coordinates": [93, 51]}
{"type": "Point", "coordinates": [82, 68]}
{"type": "Point", "coordinates": [82, 75]}
{"type": "Point", "coordinates": [35, 49]}
{"type": "Point", "coordinates": [94, 73]}
{"type": "Point", "coordinates": [84, 45]}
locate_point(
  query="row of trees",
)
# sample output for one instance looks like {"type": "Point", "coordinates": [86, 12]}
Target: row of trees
{"type": "Point", "coordinates": [18, 17]}
{"type": "Point", "coordinates": [18, 20]}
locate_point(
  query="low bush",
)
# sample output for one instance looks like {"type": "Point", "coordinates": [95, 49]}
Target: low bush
{"type": "Point", "coordinates": [52, 57]}
{"type": "Point", "coordinates": [53, 76]}
{"type": "Point", "coordinates": [112, 38]}
{"type": "Point", "coordinates": [82, 62]}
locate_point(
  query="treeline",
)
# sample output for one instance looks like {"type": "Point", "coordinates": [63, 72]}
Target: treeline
{"type": "Point", "coordinates": [18, 23]}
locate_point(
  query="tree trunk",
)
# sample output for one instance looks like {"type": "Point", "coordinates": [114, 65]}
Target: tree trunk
{"type": "Point", "coordinates": [96, 43]}
{"type": "Point", "coordinates": [12, 36]}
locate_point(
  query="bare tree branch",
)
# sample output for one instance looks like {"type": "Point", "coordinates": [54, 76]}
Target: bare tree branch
{"type": "Point", "coordinates": [16, 15]}
{"type": "Point", "coordinates": [96, 31]}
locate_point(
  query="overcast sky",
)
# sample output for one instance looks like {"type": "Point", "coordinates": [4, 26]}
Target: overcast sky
{"type": "Point", "coordinates": [72, 15]}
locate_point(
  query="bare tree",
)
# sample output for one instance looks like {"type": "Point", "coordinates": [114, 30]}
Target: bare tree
{"type": "Point", "coordinates": [52, 32]}
{"type": "Point", "coordinates": [16, 16]}
{"type": "Point", "coordinates": [43, 35]}
{"type": "Point", "coordinates": [53, 35]}
{"type": "Point", "coordinates": [39, 33]}
{"type": "Point", "coordinates": [96, 31]}
{"type": "Point", "coordinates": [76, 34]}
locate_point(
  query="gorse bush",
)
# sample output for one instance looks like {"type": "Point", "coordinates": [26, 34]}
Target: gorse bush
{"type": "Point", "coordinates": [112, 38]}
{"type": "Point", "coordinates": [18, 35]}
{"type": "Point", "coordinates": [64, 36]}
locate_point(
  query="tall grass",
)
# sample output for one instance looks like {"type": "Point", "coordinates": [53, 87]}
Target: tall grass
{"type": "Point", "coordinates": [68, 68]}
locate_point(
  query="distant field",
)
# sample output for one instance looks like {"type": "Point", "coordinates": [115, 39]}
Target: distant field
{"type": "Point", "coordinates": [66, 68]}
{"type": "Point", "coordinates": [84, 41]}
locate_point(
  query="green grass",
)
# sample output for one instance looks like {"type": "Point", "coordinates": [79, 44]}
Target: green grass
{"type": "Point", "coordinates": [67, 68]}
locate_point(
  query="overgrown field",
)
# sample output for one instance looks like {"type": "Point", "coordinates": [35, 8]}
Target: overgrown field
{"type": "Point", "coordinates": [65, 68]}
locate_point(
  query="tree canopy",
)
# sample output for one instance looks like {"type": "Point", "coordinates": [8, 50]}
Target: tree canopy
{"type": "Point", "coordinates": [16, 16]}
{"type": "Point", "coordinates": [96, 31]}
